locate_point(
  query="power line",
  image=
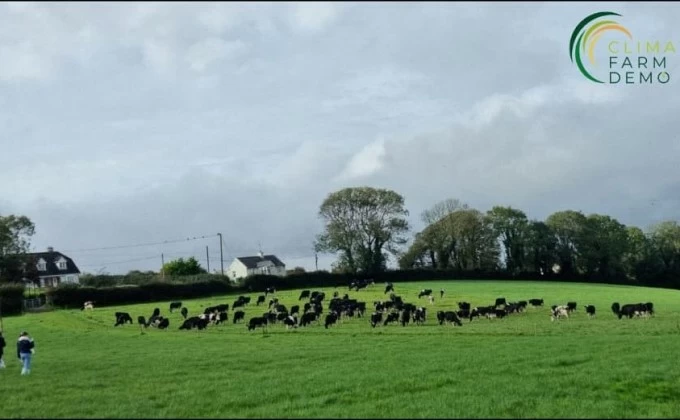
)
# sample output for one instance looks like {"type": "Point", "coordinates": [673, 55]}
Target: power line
{"type": "Point", "coordinates": [141, 245]}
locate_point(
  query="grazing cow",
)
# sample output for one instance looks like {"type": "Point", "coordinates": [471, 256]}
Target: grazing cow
{"type": "Point", "coordinates": [441, 293]}
{"type": "Point", "coordinates": [239, 315]}
{"type": "Point", "coordinates": [424, 292]}
{"type": "Point", "coordinates": [536, 302]}
{"type": "Point", "coordinates": [448, 316]}
{"type": "Point", "coordinates": [221, 318]}
{"type": "Point", "coordinates": [290, 321]}
{"type": "Point", "coordinates": [175, 305]}
{"type": "Point", "coordinates": [281, 316]}
{"type": "Point", "coordinates": [122, 318]}
{"type": "Point", "coordinates": [331, 319]}
{"type": "Point", "coordinates": [258, 321]}
{"type": "Point", "coordinates": [419, 315]}
{"type": "Point", "coordinates": [488, 311]}
{"type": "Point", "coordinates": [194, 322]}
{"type": "Point", "coordinates": [269, 290]}
{"type": "Point", "coordinates": [141, 321]}
{"type": "Point", "coordinates": [163, 324]}
{"type": "Point", "coordinates": [89, 305]}
{"type": "Point", "coordinates": [571, 306]}
{"type": "Point", "coordinates": [336, 294]}
{"type": "Point", "coordinates": [156, 312]}
{"type": "Point", "coordinates": [558, 312]}
{"type": "Point", "coordinates": [500, 313]}
{"type": "Point", "coordinates": [376, 318]}
{"type": "Point", "coordinates": [391, 317]}
{"type": "Point", "coordinates": [389, 287]}
{"type": "Point", "coordinates": [185, 312]}
{"type": "Point", "coordinates": [260, 299]}
{"type": "Point", "coordinates": [500, 302]}
{"type": "Point", "coordinates": [431, 299]}
{"type": "Point", "coordinates": [464, 306]}
{"type": "Point", "coordinates": [405, 317]}
{"type": "Point", "coordinates": [307, 318]}
{"type": "Point", "coordinates": [590, 310]}
{"type": "Point", "coordinates": [238, 304]}
{"type": "Point", "coordinates": [304, 294]}
{"type": "Point", "coordinates": [633, 309]}
{"type": "Point", "coordinates": [295, 309]}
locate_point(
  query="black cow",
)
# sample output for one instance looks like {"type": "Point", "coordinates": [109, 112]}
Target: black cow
{"type": "Point", "coordinates": [258, 321]}
{"type": "Point", "coordinates": [441, 293]}
{"type": "Point", "coordinates": [156, 312]}
{"type": "Point", "coordinates": [632, 309]}
{"type": "Point", "coordinates": [304, 294]}
{"type": "Point", "coordinates": [239, 315]}
{"type": "Point", "coordinates": [274, 301]}
{"type": "Point", "coordinates": [122, 318]}
{"type": "Point", "coordinates": [331, 319]}
{"type": "Point", "coordinates": [571, 306]}
{"type": "Point", "coordinates": [164, 323]}
{"type": "Point", "coordinates": [488, 311]}
{"type": "Point", "coordinates": [389, 287]}
{"type": "Point", "coordinates": [260, 299]}
{"type": "Point", "coordinates": [269, 290]}
{"type": "Point", "coordinates": [194, 322]}
{"type": "Point", "coordinates": [464, 306]}
{"type": "Point", "coordinates": [281, 316]}
{"type": "Point", "coordinates": [500, 302]}
{"type": "Point", "coordinates": [185, 312]}
{"type": "Point", "coordinates": [424, 292]}
{"type": "Point", "coordinates": [450, 317]}
{"type": "Point", "coordinates": [376, 318]}
{"type": "Point", "coordinates": [295, 309]}
{"type": "Point", "coordinates": [222, 317]}
{"type": "Point", "coordinates": [307, 318]}
{"type": "Point", "coordinates": [536, 302]}
{"type": "Point", "coordinates": [391, 317]}
{"type": "Point", "coordinates": [141, 321]}
{"type": "Point", "coordinates": [280, 308]}
{"type": "Point", "coordinates": [175, 305]}
{"type": "Point", "coordinates": [590, 310]}
{"type": "Point", "coordinates": [238, 304]}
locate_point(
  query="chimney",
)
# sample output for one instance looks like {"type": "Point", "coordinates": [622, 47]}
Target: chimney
{"type": "Point", "coordinates": [50, 249]}
{"type": "Point", "coordinates": [261, 254]}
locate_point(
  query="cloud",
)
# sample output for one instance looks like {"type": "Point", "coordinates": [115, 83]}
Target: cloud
{"type": "Point", "coordinates": [138, 123]}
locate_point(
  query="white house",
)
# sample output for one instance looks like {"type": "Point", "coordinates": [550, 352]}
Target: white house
{"type": "Point", "coordinates": [243, 267]}
{"type": "Point", "coordinates": [54, 268]}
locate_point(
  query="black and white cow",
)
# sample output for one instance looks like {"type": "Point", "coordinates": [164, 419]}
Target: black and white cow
{"type": "Point", "coordinates": [441, 293]}
{"type": "Point", "coordinates": [290, 321]}
{"type": "Point", "coordinates": [260, 299]}
{"type": "Point", "coordinates": [122, 318]}
{"type": "Point", "coordinates": [295, 310]}
{"type": "Point", "coordinates": [391, 317]}
{"type": "Point", "coordinates": [308, 318]}
{"type": "Point", "coordinates": [557, 312]}
{"type": "Point", "coordinates": [163, 324]}
{"type": "Point", "coordinates": [304, 294]}
{"type": "Point", "coordinates": [175, 305]}
{"type": "Point", "coordinates": [389, 287]}
{"type": "Point", "coordinates": [405, 317]}
{"type": "Point", "coordinates": [450, 317]}
{"type": "Point", "coordinates": [376, 318]}
{"type": "Point", "coordinates": [424, 292]}
{"type": "Point", "coordinates": [141, 321]}
{"type": "Point", "coordinates": [258, 321]}
{"type": "Point", "coordinates": [571, 306]}
{"type": "Point", "coordinates": [185, 312]}
{"type": "Point", "coordinates": [419, 315]}
{"type": "Point", "coordinates": [500, 302]}
{"type": "Point", "coordinates": [590, 310]}
{"type": "Point", "coordinates": [536, 302]}
{"type": "Point", "coordinates": [194, 322]}
{"type": "Point", "coordinates": [331, 319]}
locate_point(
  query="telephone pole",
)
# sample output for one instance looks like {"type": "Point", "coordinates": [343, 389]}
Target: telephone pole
{"type": "Point", "coordinates": [221, 254]}
{"type": "Point", "coordinates": [207, 257]}
{"type": "Point", "coordinates": [163, 266]}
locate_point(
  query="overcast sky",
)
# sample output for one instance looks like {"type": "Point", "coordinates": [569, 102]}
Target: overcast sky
{"type": "Point", "coordinates": [128, 123]}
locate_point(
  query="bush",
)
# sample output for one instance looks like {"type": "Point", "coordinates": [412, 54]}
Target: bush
{"type": "Point", "coordinates": [12, 298]}
{"type": "Point", "coordinates": [73, 296]}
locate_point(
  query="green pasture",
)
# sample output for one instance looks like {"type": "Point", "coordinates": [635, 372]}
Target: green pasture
{"type": "Point", "coordinates": [524, 366]}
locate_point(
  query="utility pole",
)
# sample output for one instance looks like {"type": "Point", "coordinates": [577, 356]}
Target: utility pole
{"type": "Point", "coordinates": [316, 261]}
{"type": "Point", "coordinates": [163, 266]}
{"type": "Point", "coordinates": [221, 254]}
{"type": "Point", "coordinates": [207, 258]}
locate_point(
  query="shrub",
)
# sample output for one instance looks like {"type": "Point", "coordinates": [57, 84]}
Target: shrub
{"type": "Point", "coordinates": [12, 298]}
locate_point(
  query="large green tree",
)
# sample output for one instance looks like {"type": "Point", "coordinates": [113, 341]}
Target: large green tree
{"type": "Point", "coordinates": [511, 227]}
{"type": "Point", "coordinates": [364, 225]}
{"type": "Point", "coordinates": [603, 246]}
{"type": "Point", "coordinates": [569, 228]}
{"type": "Point", "coordinates": [182, 267]}
{"type": "Point", "coordinates": [15, 240]}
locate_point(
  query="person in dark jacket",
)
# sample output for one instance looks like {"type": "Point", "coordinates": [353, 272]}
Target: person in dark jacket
{"type": "Point", "coordinates": [3, 343]}
{"type": "Point", "coordinates": [25, 352]}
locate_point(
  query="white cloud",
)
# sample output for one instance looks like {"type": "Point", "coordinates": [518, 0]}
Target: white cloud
{"type": "Point", "coordinates": [210, 50]}
{"type": "Point", "coordinates": [314, 16]}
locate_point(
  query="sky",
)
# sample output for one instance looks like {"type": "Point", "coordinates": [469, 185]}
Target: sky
{"type": "Point", "coordinates": [137, 123]}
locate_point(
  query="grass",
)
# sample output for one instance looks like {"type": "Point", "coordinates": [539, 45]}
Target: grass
{"type": "Point", "coordinates": [519, 367]}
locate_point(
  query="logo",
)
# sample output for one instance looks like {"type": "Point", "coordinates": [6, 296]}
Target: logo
{"type": "Point", "coordinates": [629, 61]}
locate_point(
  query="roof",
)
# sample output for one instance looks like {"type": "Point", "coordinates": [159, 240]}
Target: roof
{"type": "Point", "coordinates": [256, 261]}
{"type": "Point", "coordinates": [51, 258]}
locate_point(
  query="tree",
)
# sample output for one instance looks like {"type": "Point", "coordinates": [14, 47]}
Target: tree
{"type": "Point", "coordinates": [637, 261]}
{"type": "Point", "coordinates": [361, 224]}
{"type": "Point", "coordinates": [603, 246]}
{"type": "Point", "coordinates": [296, 270]}
{"type": "Point", "coordinates": [15, 234]}
{"type": "Point", "coordinates": [510, 227]}
{"type": "Point", "coordinates": [181, 267]}
{"type": "Point", "coordinates": [665, 242]}
{"type": "Point", "coordinates": [569, 228]}
{"type": "Point", "coordinates": [541, 245]}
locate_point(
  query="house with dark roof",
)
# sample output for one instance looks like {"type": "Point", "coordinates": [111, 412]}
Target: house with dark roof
{"type": "Point", "coordinates": [53, 268]}
{"type": "Point", "coordinates": [243, 267]}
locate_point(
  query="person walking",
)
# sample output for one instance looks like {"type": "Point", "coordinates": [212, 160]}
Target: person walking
{"type": "Point", "coordinates": [25, 352]}
{"type": "Point", "coordinates": [3, 343]}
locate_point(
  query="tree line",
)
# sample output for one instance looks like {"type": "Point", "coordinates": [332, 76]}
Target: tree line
{"type": "Point", "coordinates": [364, 226]}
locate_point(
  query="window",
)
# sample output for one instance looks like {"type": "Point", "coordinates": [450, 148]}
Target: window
{"type": "Point", "coordinates": [62, 265]}
{"type": "Point", "coordinates": [42, 266]}
{"type": "Point", "coordinates": [69, 279]}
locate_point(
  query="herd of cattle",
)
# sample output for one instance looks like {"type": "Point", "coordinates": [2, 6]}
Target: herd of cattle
{"type": "Point", "coordinates": [385, 312]}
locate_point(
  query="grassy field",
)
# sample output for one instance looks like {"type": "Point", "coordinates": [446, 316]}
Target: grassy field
{"type": "Point", "coordinates": [521, 366]}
